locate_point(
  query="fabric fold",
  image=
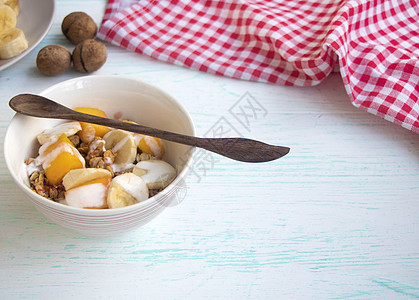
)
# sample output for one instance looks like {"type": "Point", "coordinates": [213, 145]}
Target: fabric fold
{"type": "Point", "coordinates": [375, 44]}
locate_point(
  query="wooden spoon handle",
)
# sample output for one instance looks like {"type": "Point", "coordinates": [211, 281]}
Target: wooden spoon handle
{"type": "Point", "coordinates": [240, 149]}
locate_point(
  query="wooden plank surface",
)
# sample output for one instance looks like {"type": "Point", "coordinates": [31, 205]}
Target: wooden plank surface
{"type": "Point", "coordinates": [337, 218]}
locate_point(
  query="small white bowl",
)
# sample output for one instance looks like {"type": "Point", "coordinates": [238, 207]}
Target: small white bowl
{"type": "Point", "coordinates": [138, 101]}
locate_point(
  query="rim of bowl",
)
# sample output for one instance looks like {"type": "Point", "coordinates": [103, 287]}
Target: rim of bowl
{"type": "Point", "coordinates": [180, 178]}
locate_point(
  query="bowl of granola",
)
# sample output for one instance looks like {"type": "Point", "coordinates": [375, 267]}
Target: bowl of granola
{"type": "Point", "coordinates": [94, 179]}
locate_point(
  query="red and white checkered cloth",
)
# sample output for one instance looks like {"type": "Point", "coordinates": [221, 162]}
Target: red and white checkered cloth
{"type": "Point", "coordinates": [375, 43]}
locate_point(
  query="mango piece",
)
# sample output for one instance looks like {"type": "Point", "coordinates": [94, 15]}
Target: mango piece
{"type": "Point", "coordinates": [89, 131]}
{"type": "Point", "coordinates": [59, 158]}
{"type": "Point", "coordinates": [152, 145]}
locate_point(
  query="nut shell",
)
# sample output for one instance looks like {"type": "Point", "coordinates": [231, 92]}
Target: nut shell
{"type": "Point", "coordinates": [89, 56]}
{"type": "Point", "coordinates": [78, 26]}
{"type": "Point", "coordinates": [53, 60]}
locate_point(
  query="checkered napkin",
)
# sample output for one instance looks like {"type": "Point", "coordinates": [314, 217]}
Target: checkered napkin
{"type": "Point", "coordinates": [374, 44]}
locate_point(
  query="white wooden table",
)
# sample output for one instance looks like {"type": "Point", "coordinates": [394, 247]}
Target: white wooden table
{"type": "Point", "coordinates": [336, 218]}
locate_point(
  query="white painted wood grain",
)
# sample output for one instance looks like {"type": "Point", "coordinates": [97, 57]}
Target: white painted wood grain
{"type": "Point", "coordinates": [337, 218]}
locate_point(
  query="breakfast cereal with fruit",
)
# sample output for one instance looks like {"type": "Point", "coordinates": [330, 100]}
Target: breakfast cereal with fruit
{"type": "Point", "coordinates": [92, 166]}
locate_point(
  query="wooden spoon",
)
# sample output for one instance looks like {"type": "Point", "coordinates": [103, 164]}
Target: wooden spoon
{"type": "Point", "coordinates": [240, 149]}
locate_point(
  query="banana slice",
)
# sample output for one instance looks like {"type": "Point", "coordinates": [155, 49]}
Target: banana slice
{"type": "Point", "coordinates": [67, 128]}
{"type": "Point", "coordinates": [157, 174]}
{"type": "Point", "coordinates": [8, 18]}
{"type": "Point", "coordinates": [126, 189]}
{"type": "Point", "coordinates": [12, 43]}
{"type": "Point", "coordinates": [87, 188]}
{"type": "Point", "coordinates": [122, 143]}
{"type": "Point", "coordinates": [78, 177]}
{"type": "Point", "coordinates": [148, 144]}
{"type": "Point", "coordinates": [13, 4]}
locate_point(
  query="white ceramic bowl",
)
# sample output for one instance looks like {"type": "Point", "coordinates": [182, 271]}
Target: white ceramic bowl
{"type": "Point", "coordinates": [139, 102]}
